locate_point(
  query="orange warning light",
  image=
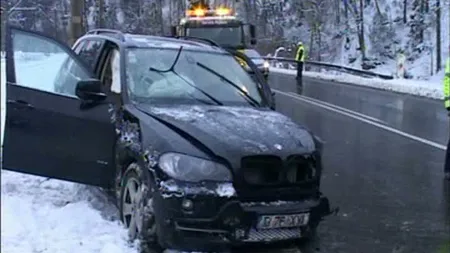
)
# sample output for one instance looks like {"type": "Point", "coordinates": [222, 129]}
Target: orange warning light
{"type": "Point", "coordinates": [223, 11]}
{"type": "Point", "coordinates": [196, 12]}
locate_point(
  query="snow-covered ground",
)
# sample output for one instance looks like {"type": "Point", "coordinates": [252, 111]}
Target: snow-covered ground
{"type": "Point", "coordinates": [53, 216]}
{"type": "Point", "coordinates": [432, 88]}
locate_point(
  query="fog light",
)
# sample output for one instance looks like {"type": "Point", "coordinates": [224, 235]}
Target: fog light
{"type": "Point", "coordinates": [187, 204]}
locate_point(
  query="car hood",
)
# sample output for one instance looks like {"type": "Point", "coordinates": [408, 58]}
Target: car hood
{"type": "Point", "coordinates": [235, 132]}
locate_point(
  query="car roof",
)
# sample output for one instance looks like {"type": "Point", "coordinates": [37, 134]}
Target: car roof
{"type": "Point", "coordinates": [145, 41]}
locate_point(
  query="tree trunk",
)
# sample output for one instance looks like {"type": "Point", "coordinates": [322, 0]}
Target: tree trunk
{"type": "Point", "coordinates": [378, 7]}
{"type": "Point", "coordinates": [311, 44]}
{"type": "Point", "coordinates": [76, 20]}
{"type": "Point", "coordinates": [101, 13]}
{"type": "Point", "coordinates": [4, 19]}
{"type": "Point", "coordinates": [319, 42]}
{"type": "Point", "coordinates": [405, 7]}
{"type": "Point", "coordinates": [338, 11]}
{"type": "Point", "coordinates": [361, 29]}
{"type": "Point", "coordinates": [438, 35]}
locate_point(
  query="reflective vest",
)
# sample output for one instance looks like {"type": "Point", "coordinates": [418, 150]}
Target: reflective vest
{"type": "Point", "coordinates": [447, 84]}
{"type": "Point", "coordinates": [300, 50]}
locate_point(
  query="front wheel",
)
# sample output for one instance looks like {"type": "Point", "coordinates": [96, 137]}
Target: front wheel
{"type": "Point", "coordinates": [136, 208]}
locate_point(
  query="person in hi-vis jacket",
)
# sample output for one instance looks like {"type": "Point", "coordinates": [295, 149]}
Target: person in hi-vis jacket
{"type": "Point", "coordinates": [300, 58]}
{"type": "Point", "coordinates": [447, 106]}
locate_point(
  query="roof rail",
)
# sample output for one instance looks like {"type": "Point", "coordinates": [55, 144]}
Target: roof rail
{"type": "Point", "coordinates": [107, 32]}
{"type": "Point", "coordinates": [210, 42]}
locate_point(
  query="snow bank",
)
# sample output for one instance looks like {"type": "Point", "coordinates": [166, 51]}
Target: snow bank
{"type": "Point", "coordinates": [431, 89]}
{"type": "Point", "coordinates": [41, 215]}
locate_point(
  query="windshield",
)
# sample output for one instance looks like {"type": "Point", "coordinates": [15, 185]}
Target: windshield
{"type": "Point", "coordinates": [228, 36]}
{"type": "Point", "coordinates": [193, 84]}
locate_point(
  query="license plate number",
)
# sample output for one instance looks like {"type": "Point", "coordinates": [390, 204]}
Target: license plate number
{"type": "Point", "coordinates": [283, 221]}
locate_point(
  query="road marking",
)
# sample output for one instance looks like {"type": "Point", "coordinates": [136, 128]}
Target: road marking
{"type": "Point", "coordinates": [339, 108]}
{"type": "Point", "coordinates": [365, 120]}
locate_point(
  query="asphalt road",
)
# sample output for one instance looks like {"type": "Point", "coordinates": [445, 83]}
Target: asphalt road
{"type": "Point", "coordinates": [383, 171]}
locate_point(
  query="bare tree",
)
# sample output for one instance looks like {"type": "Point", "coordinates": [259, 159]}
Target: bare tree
{"type": "Point", "coordinates": [438, 35]}
{"type": "Point", "coordinates": [76, 24]}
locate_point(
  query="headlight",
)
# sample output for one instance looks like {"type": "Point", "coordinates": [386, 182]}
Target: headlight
{"type": "Point", "coordinates": [266, 64]}
{"type": "Point", "coordinates": [193, 169]}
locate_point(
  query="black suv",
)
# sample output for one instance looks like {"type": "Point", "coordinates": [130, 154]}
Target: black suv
{"type": "Point", "coordinates": [175, 128]}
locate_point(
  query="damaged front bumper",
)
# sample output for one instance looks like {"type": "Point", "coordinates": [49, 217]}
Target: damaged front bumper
{"type": "Point", "coordinates": [211, 217]}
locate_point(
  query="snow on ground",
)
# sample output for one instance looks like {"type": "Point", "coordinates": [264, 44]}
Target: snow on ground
{"type": "Point", "coordinates": [432, 88]}
{"type": "Point", "coordinates": [53, 216]}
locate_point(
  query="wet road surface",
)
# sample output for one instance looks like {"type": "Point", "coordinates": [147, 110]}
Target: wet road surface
{"type": "Point", "coordinates": [422, 117]}
{"type": "Point", "coordinates": [389, 188]}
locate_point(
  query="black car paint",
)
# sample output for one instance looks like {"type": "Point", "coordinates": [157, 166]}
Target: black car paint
{"type": "Point", "coordinates": [38, 121]}
{"type": "Point", "coordinates": [127, 133]}
{"type": "Point", "coordinates": [216, 128]}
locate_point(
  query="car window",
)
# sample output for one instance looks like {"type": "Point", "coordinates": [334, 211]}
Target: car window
{"type": "Point", "coordinates": [172, 86]}
{"type": "Point", "coordinates": [44, 65]}
{"type": "Point", "coordinates": [90, 51]}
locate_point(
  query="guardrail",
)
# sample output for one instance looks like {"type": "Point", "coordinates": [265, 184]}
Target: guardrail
{"type": "Point", "coordinates": [359, 72]}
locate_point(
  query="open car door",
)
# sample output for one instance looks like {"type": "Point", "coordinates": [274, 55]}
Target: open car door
{"type": "Point", "coordinates": [47, 133]}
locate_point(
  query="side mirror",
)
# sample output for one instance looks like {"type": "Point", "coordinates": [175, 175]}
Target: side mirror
{"type": "Point", "coordinates": [90, 91]}
{"type": "Point", "coordinates": [173, 31]}
{"type": "Point", "coordinates": [252, 34]}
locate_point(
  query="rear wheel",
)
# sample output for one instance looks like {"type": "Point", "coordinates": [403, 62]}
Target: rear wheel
{"type": "Point", "coordinates": [136, 209]}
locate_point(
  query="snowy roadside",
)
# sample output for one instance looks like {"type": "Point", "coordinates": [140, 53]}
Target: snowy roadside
{"type": "Point", "coordinates": [431, 89]}
{"type": "Point", "coordinates": [53, 216]}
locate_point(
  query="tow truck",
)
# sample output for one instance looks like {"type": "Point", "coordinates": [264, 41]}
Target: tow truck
{"type": "Point", "coordinates": [222, 26]}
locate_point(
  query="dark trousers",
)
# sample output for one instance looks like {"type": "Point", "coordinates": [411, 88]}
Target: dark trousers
{"type": "Point", "coordinates": [299, 72]}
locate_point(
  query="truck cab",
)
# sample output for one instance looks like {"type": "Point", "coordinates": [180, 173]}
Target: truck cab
{"type": "Point", "coordinates": [218, 25]}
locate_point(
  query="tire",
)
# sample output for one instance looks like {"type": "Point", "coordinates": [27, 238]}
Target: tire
{"type": "Point", "coordinates": [136, 211]}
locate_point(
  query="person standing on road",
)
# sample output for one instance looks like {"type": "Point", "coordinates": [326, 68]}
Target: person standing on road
{"type": "Point", "coordinates": [300, 58]}
{"type": "Point", "coordinates": [447, 106]}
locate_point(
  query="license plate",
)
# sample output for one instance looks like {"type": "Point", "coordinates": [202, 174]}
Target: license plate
{"type": "Point", "coordinates": [283, 221]}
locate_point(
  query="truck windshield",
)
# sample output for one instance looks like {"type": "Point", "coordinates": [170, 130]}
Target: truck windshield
{"type": "Point", "coordinates": [226, 36]}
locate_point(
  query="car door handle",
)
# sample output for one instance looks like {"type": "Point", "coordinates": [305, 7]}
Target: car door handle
{"type": "Point", "coordinates": [20, 104]}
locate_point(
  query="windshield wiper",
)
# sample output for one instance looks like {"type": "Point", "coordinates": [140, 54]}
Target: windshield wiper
{"type": "Point", "coordinates": [172, 69]}
{"type": "Point", "coordinates": [249, 98]}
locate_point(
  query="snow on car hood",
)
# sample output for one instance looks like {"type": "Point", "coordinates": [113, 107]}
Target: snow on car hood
{"type": "Point", "coordinates": [234, 132]}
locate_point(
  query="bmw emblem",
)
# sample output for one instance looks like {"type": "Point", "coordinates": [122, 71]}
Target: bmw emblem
{"type": "Point", "coordinates": [278, 146]}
